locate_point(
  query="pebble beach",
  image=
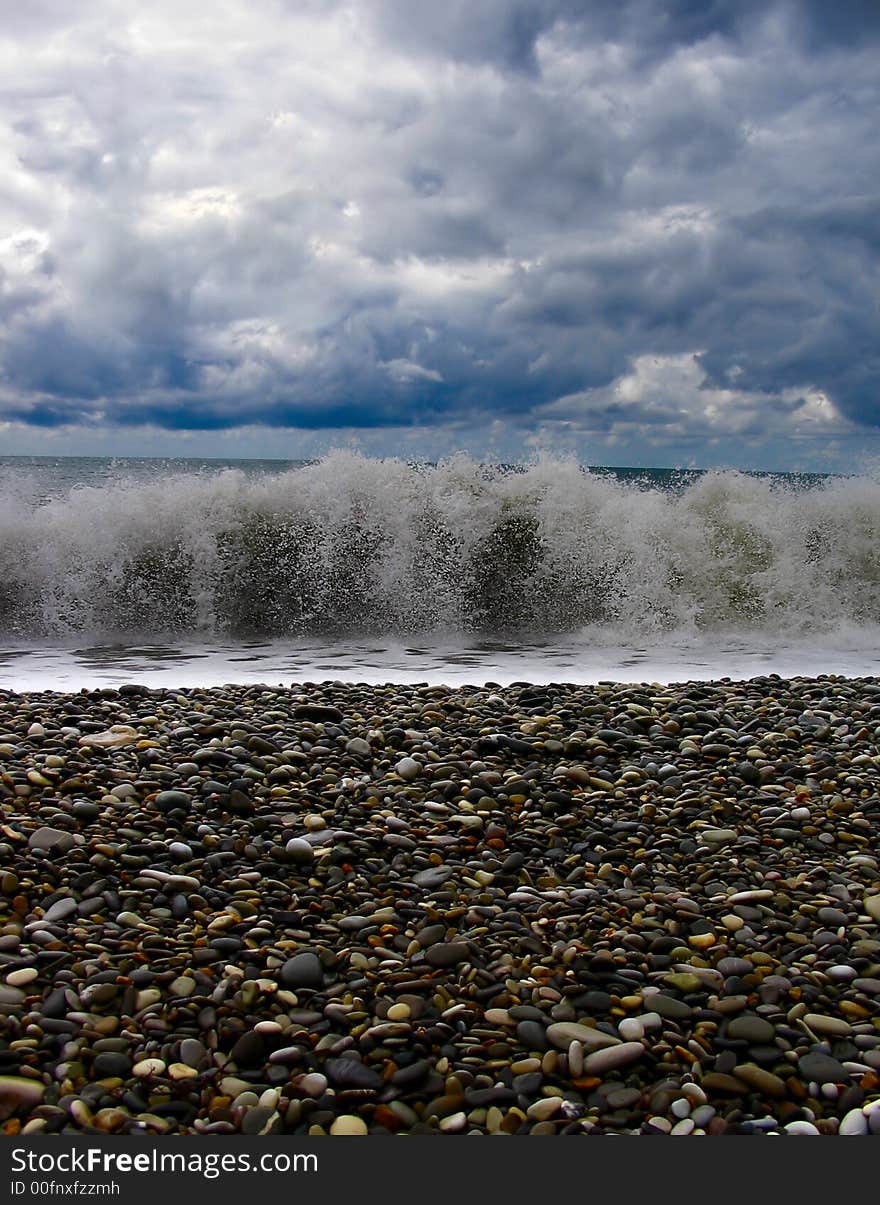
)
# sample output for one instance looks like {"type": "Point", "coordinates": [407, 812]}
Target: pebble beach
{"type": "Point", "coordinates": [352, 909]}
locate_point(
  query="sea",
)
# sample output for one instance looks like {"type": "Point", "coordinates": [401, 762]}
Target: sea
{"type": "Point", "coordinates": [185, 572]}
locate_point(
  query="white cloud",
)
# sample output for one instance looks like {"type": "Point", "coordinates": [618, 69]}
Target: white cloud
{"type": "Point", "coordinates": [406, 370]}
{"type": "Point", "coordinates": [670, 397]}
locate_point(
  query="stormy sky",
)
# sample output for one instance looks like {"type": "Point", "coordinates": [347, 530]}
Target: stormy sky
{"type": "Point", "coordinates": [642, 232]}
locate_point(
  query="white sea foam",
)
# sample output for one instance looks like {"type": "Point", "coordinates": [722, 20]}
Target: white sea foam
{"type": "Point", "coordinates": [357, 546]}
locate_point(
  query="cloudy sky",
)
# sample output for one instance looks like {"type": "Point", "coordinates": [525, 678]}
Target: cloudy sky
{"type": "Point", "coordinates": [644, 232]}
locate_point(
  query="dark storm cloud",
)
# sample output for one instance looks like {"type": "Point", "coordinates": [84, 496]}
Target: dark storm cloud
{"type": "Point", "coordinates": [333, 216]}
{"type": "Point", "coordinates": [854, 23]}
{"type": "Point", "coordinates": [505, 32]}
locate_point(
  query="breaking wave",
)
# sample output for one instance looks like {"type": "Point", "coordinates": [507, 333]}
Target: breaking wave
{"type": "Point", "coordinates": [353, 545]}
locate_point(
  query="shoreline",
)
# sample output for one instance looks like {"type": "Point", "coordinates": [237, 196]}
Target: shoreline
{"type": "Point", "coordinates": [546, 909]}
{"type": "Point", "coordinates": [584, 659]}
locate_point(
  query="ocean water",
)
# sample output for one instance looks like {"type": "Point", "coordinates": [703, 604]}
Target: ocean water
{"type": "Point", "coordinates": [182, 572]}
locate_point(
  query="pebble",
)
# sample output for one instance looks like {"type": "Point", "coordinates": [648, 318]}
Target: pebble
{"type": "Point", "coordinates": [52, 840]}
{"type": "Point", "coordinates": [563, 1033]}
{"type": "Point", "coordinates": [61, 910]}
{"type": "Point", "coordinates": [815, 1065]}
{"type": "Point", "coordinates": [822, 1024]}
{"type": "Point", "coordinates": [303, 970]}
{"type": "Point", "coordinates": [761, 1080]}
{"type": "Point", "coordinates": [447, 954]}
{"type": "Point", "coordinates": [112, 1064]}
{"type": "Point", "coordinates": [542, 1110]}
{"type": "Point", "coordinates": [750, 1028]}
{"type": "Point", "coordinates": [613, 1057]}
{"type": "Point", "coordinates": [314, 1084]}
{"type": "Point", "coordinates": [18, 1095]}
{"type": "Point", "coordinates": [801, 1127]}
{"type": "Point", "coordinates": [346, 909]}
{"type": "Point", "coordinates": [261, 1119]}
{"type": "Point", "coordinates": [853, 1124]}
{"type": "Point", "coordinates": [115, 737]}
{"type": "Point", "coordinates": [22, 977]}
{"type": "Point", "coordinates": [181, 1071]}
{"type": "Point", "coordinates": [148, 1067]}
{"type": "Point", "coordinates": [359, 747]}
{"type": "Point", "coordinates": [167, 801]}
{"type": "Point", "coordinates": [717, 836]}
{"type": "Point", "coordinates": [350, 1073]}
{"type": "Point", "coordinates": [631, 1029]}
{"type": "Point", "coordinates": [349, 1124]}
{"type": "Point", "coordinates": [182, 986]}
{"type": "Point", "coordinates": [671, 1007]}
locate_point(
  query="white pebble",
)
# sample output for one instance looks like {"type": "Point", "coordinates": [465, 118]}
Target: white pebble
{"type": "Point", "coordinates": [313, 1084]}
{"type": "Point", "coordinates": [180, 1071]}
{"type": "Point", "coordinates": [348, 1124]}
{"type": "Point", "coordinates": [660, 1123]}
{"type": "Point", "coordinates": [544, 1109]}
{"type": "Point", "coordinates": [147, 1067]}
{"type": "Point", "coordinates": [682, 1128]}
{"type": "Point", "coordinates": [800, 1127]}
{"type": "Point", "coordinates": [853, 1068]}
{"type": "Point", "coordinates": [22, 976]}
{"type": "Point", "coordinates": [854, 1124]}
{"type": "Point", "coordinates": [680, 1108]}
{"type": "Point", "coordinates": [631, 1029]}
{"type": "Point", "coordinates": [601, 1061]}
{"type": "Point", "coordinates": [842, 972]}
{"type": "Point", "coordinates": [408, 768]}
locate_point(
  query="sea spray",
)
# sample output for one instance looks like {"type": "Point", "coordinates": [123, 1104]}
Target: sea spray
{"type": "Point", "coordinates": [360, 546]}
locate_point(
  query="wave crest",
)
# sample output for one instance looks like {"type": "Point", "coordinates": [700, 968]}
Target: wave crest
{"type": "Point", "coordinates": [354, 545]}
